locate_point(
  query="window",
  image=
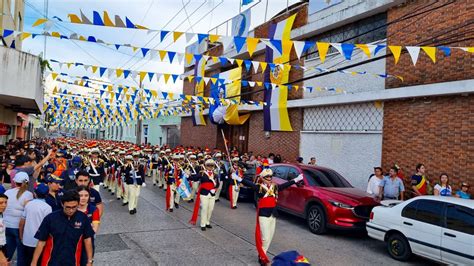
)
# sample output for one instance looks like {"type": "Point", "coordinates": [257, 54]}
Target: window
{"type": "Point", "coordinates": [325, 178]}
{"type": "Point", "coordinates": [279, 172]}
{"type": "Point", "coordinates": [410, 210]}
{"type": "Point", "coordinates": [460, 218]}
{"type": "Point", "coordinates": [427, 211]}
{"type": "Point", "coordinates": [292, 173]}
{"type": "Point", "coordinates": [375, 27]}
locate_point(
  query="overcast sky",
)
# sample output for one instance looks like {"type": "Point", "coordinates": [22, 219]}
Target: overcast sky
{"type": "Point", "coordinates": [197, 16]}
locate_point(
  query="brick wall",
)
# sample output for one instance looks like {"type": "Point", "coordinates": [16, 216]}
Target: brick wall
{"type": "Point", "coordinates": [199, 136]}
{"type": "Point", "coordinates": [434, 26]}
{"type": "Point", "coordinates": [284, 143]}
{"type": "Point", "coordinates": [437, 131]}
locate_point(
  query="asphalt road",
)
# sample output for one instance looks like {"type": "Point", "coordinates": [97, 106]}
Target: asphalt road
{"type": "Point", "coordinates": [156, 237]}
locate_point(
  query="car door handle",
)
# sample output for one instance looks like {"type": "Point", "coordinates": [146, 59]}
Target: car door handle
{"type": "Point", "coordinates": [450, 235]}
{"type": "Point", "coordinates": [407, 223]}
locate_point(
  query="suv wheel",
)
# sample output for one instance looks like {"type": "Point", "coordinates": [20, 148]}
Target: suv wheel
{"type": "Point", "coordinates": [398, 247]}
{"type": "Point", "coordinates": [316, 220]}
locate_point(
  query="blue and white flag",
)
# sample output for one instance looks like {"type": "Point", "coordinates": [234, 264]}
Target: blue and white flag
{"type": "Point", "coordinates": [184, 189]}
{"type": "Point", "coordinates": [241, 24]}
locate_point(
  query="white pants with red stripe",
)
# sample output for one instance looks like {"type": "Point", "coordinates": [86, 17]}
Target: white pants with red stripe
{"type": "Point", "coordinates": [267, 228]}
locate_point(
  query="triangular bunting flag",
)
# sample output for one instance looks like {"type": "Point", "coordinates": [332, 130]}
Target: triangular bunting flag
{"type": "Point", "coordinates": [414, 51]}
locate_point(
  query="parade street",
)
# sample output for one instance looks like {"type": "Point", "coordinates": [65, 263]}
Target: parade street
{"type": "Point", "coordinates": [156, 237]}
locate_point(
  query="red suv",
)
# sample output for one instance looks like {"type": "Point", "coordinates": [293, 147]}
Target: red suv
{"type": "Point", "coordinates": [324, 198]}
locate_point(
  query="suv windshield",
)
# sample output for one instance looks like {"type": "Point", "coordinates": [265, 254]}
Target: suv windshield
{"type": "Point", "coordinates": [325, 178]}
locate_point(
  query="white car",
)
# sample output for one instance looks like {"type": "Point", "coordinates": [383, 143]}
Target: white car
{"type": "Point", "coordinates": [438, 228]}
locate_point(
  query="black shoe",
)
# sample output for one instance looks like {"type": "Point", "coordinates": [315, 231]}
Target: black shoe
{"type": "Point", "coordinates": [112, 194]}
{"type": "Point", "coordinates": [203, 228]}
{"type": "Point", "coordinates": [217, 200]}
{"type": "Point", "coordinates": [118, 198]}
{"type": "Point", "coordinates": [154, 185]}
{"type": "Point", "coordinates": [160, 186]}
{"type": "Point", "coordinates": [235, 207]}
{"type": "Point", "coordinates": [171, 210]}
{"type": "Point", "coordinates": [209, 226]}
{"type": "Point", "coordinates": [190, 201]}
{"type": "Point", "coordinates": [124, 204]}
{"type": "Point", "coordinates": [176, 205]}
{"type": "Point", "coordinates": [131, 212]}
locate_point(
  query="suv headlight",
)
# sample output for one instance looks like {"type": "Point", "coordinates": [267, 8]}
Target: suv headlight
{"type": "Point", "coordinates": [340, 205]}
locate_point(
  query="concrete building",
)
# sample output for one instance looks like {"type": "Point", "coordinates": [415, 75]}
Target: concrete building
{"type": "Point", "coordinates": [158, 131]}
{"type": "Point", "coordinates": [21, 91]}
{"type": "Point", "coordinates": [363, 126]}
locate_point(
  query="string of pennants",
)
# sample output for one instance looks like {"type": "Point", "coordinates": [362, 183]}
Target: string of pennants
{"type": "Point", "coordinates": [300, 47]}
{"type": "Point", "coordinates": [345, 49]}
{"type": "Point", "coordinates": [206, 80]}
{"type": "Point", "coordinates": [127, 73]}
{"type": "Point", "coordinates": [106, 92]}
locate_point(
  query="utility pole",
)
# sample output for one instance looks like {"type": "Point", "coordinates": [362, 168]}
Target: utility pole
{"type": "Point", "coordinates": [139, 121]}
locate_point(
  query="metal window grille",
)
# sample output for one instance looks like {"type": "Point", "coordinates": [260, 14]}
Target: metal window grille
{"type": "Point", "coordinates": [350, 117]}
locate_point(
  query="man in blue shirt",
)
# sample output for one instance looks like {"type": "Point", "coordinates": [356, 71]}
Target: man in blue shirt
{"type": "Point", "coordinates": [54, 196]}
{"type": "Point", "coordinates": [391, 187]}
{"type": "Point", "coordinates": [62, 235]}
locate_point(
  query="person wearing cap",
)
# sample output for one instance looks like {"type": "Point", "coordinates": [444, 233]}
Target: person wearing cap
{"type": "Point", "coordinates": [463, 193]}
{"type": "Point", "coordinates": [221, 174]}
{"type": "Point", "coordinates": [96, 168]}
{"type": "Point", "coordinates": [33, 215]}
{"type": "Point", "coordinates": [23, 164]}
{"type": "Point", "coordinates": [155, 163]}
{"type": "Point", "coordinates": [60, 162]}
{"type": "Point", "coordinates": [174, 173]}
{"type": "Point", "coordinates": [206, 195]}
{"type": "Point", "coordinates": [195, 169]}
{"type": "Point", "coordinates": [134, 173]}
{"type": "Point", "coordinates": [53, 198]}
{"type": "Point", "coordinates": [69, 176]}
{"type": "Point", "coordinates": [237, 173]}
{"type": "Point", "coordinates": [119, 185]}
{"type": "Point", "coordinates": [17, 197]}
{"type": "Point", "coordinates": [165, 167]}
{"type": "Point", "coordinates": [267, 194]}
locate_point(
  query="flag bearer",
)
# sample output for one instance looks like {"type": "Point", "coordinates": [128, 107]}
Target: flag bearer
{"type": "Point", "coordinates": [267, 193]}
{"type": "Point", "coordinates": [206, 195]}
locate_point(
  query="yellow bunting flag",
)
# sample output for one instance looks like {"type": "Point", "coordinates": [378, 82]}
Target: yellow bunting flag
{"type": "Point", "coordinates": [251, 45]}
{"type": "Point", "coordinates": [189, 58]}
{"type": "Point", "coordinates": [39, 22]}
{"type": "Point", "coordinates": [74, 18]}
{"type": "Point", "coordinates": [119, 72]}
{"type": "Point", "coordinates": [396, 51]}
{"type": "Point", "coordinates": [107, 20]}
{"type": "Point", "coordinates": [167, 77]}
{"type": "Point", "coordinates": [364, 49]}
{"type": "Point", "coordinates": [239, 62]}
{"type": "Point", "coordinates": [94, 69]}
{"type": "Point", "coordinates": [323, 48]}
{"type": "Point", "coordinates": [176, 35]}
{"type": "Point", "coordinates": [142, 76]}
{"type": "Point", "coordinates": [213, 37]}
{"type": "Point", "coordinates": [431, 52]}
{"type": "Point", "coordinates": [162, 54]}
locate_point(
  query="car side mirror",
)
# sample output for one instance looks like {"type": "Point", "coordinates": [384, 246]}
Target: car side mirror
{"type": "Point", "coordinates": [300, 184]}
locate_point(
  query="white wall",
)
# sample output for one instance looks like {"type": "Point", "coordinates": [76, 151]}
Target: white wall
{"type": "Point", "coordinates": [20, 76]}
{"type": "Point", "coordinates": [353, 155]}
